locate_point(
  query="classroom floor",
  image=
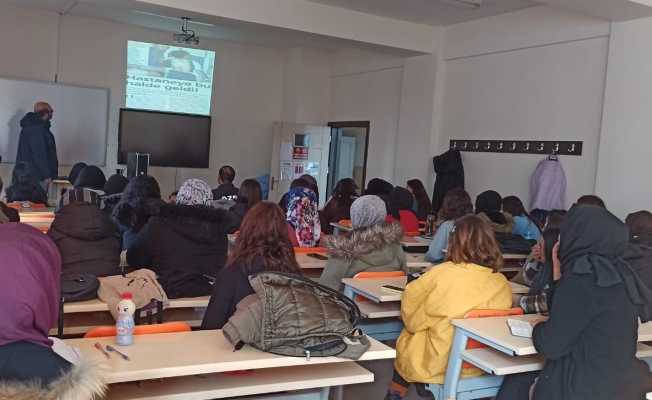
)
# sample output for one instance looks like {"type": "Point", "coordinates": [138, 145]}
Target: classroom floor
{"type": "Point", "coordinates": [382, 370]}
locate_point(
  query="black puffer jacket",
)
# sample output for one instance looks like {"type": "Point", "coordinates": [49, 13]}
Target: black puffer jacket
{"type": "Point", "coordinates": [639, 255]}
{"type": "Point", "coordinates": [87, 239]}
{"type": "Point", "coordinates": [183, 245]}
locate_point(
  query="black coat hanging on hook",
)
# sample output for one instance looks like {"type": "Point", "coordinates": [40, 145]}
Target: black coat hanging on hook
{"type": "Point", "coordinates": [557, 147]}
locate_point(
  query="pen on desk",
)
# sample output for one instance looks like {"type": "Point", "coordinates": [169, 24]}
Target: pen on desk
{"type": "Point", "coordinates": [114, 350]}
{"type": "Point", "coordinates": [100, 348]}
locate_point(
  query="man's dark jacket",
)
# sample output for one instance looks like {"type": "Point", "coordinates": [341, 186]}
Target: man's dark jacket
{"type": "Point", "coordinates": [37, 147]}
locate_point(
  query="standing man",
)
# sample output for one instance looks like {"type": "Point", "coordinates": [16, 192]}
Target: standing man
{"type": "Point", "coordinates": [37, 146]}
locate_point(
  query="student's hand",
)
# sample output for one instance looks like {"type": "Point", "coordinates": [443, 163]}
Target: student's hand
{"type": "Point", "coordinates": [537, 252]}
{"type": "Point", "coordinates": [556, 264]}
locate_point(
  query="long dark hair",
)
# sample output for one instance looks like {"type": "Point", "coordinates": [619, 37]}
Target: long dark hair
{"type": "Point", "coordinates": [345, 192]}
{"type": "Point", "coordinates": [514, 206]}
{"type": "Point", "coordinates": [456, 204]}
{"type": "Point", "coordinates": [134, 209]}
{"type": "Point", "coordinates": [250, 193]}
{"type": "Point", "coordinates": [264, 238]}
{"type": "Point", "coordinates": [400, 200]}
{"type": "Point", "coordinates": [490, 203]}
{"type": "Point", "coordinates": [424, 206]}
{"type": "Point", "coordinates": [544, 277]}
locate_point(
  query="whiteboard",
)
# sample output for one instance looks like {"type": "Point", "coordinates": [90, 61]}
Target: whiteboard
{"type": "Point", "coordinates": [79, 124]}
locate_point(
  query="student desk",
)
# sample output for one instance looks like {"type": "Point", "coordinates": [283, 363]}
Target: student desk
{"type": "Point", "coordinates": [41, 220]}
{"type": "Point", "coordinates": [81, 316]}
{"type": "Point", "coordinates": [415, 244]}
{"type": "Point", "coordinates": [414, 261]}
{"type": "Point", "coordinates": [506, 354]}
{"type": "Point", "coordinates": [190, 364]}
{"type": "Point", "coordinates": [339, 229]}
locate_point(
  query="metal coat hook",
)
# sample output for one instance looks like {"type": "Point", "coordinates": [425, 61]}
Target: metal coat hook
{"type": "Point", "coordinates": [571, 148]}
{"type": "Point", "coordinates": [487, 146]}
{"type": "Point", "coordinates": [501, 145]}
{"type": "Point", "coordinates": [555, 148]}
{"type": "Point", "coordinates": [527, 147]}
{"type": "Point", "coordinates": [541, 146]}
{"type": "Point", "coordinates": [477, 145]}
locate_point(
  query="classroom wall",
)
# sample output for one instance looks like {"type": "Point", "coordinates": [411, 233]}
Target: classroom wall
{"type": "Point", "coordinates": [247, 96]}
{"type": "Point", "coordinates": [536, 74]}
{"type": "Point", "coordinates": [625, 146]}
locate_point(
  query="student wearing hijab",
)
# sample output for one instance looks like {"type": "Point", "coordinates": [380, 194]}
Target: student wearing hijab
{"type": "Point", "coordinates": [589, 342]}
{"type": "Point", "coordinates": [400, 208]}
{"type": "Point", "coordinates": [263, 245]}
{"type": "Point", "coordinates": [297, 183]}
{"type": "Point", "coordinates": [339, 205]}
{"type": "Point", "coordinates": [312, 184]}
{"type": "Point", "coordinates": [373, 245]}
{"type": "Point", "coordinates": [456, 204]}
{"type": "Point", "coordinates": [29, 368]}
{"type": "Point", "coordinates": [184, 243]}
{"type": "Point", "coordinates": [487, 206]}
{"type": "Point", "coordinates": [139, 201]}
{"type": "Point", "coordinates": [302, 216]}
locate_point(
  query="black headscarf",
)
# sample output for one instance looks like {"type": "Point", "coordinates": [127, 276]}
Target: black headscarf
{"type": "Point", "coordinates": [115, 184]}
{"type": "Point", "coordinates": [91, 177]}
{"type": "Point", "coordinates": [75, 170]}
{"type": "Point", "coordinates": [490, 203]}
{"type": "Point", "coordinates": [593, 241]}
{"type": "Point", "coordinates": [379, 186]}
{"type": "Point", "coordinates": [400, 199]}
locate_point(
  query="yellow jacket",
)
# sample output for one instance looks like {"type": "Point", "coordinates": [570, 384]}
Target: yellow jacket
{"type": "Point", "coordinates": [446, 292]}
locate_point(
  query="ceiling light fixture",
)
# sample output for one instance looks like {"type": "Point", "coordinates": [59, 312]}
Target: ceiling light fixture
{"type": "Point", "coordinates": [464, 3]}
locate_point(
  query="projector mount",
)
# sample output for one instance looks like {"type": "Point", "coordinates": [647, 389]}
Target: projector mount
{"type": "Point", "coordinates": [187, 35]}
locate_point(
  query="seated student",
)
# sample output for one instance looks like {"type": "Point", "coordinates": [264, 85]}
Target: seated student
{"type": "Point", "coordinates": [524, 225]}
{"type": "Point", "coordinates": [302, 217]}
{"type": "Point", "coordinates": [140, 199]}
{"type": "Point", "coordinates": [226, 189]}
{"type": "Point", "coordinates": [172, 198]}
{"type": "Point", "coordinates": [89, 187]}
{"type": "Point", "coordinates": [185, 243]}
{"type": "Point", "coordinates": [89, 242]}
{"type": "Point", "coordinates": [591, 200]}
{"type": "Point", "coordinates": [312, 184]}
{"type": "Point", "coordinates": [29, 367]}
{"type": "Point", "coordinates": [639, 250]}
{"type": "Point", "coordinates": [25, 186]}
{"type": "Point", "coordinates": [7, 214]}
{"type": "Point", "coordinates": [373, 245]}
{"type": "Point", "coordinates": [339, 206]}
{"type": "Point", "coordinates": [468, 281]}
{"type": "Point", "coordinates": [262, 245]}
{"type": "Point", "coordinates": [487, 207]}
{"type": "Point", "coordinates": [456, 204]}
{"type": "Point", "coordinates": [113, 189]}
{"type": "Point", "coordinates": [73, 174]}
{"type": "Point", "coordinates": [297, 183]}
{"type": "Point", "coordinates": [381, 188]}
{"type": "Point", "coordinates": [249, 195]}
{"type": "Point", "coordinates": [422, 205]}
{"type": "Point", "coordinates": [400, 209]}
{"type": "Point", "coordinates": [589, 342]}
{"type": "Point", "coordinates": [539, 274]}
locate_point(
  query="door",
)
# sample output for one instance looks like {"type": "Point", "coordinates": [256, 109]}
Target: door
{"type": "Point", "coordinates": [348, 153]}
{"type": "Point", "coordinates": [297, 150]}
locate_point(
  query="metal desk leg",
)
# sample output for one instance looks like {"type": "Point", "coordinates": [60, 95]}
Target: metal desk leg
{"type": "Point", "coordinates": [454, 364]}
{"type": "Point", "coordinates": [338, 393]}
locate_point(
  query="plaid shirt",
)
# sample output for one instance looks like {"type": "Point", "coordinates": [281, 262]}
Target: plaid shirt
{"type": "Point", "coordinates": [535, 303]}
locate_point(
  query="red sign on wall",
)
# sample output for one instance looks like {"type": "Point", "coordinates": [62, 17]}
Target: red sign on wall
{"type": "Point", "coordinates": [300, 153]}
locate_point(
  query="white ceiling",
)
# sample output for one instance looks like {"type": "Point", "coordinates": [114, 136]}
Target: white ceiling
{"type": "Point", "coordinates": [430, 12]}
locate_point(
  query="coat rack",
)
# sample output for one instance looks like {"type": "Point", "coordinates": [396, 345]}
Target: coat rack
{"type": "Point", "coordinates": [564, 148]}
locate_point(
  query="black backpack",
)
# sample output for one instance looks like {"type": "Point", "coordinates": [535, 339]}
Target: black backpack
{"type": "Point", "coordinates": [79, 287]}
{"type": "Point", "coordinates": [514, 244]}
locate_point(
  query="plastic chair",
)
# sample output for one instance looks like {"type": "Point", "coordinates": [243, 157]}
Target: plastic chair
{"type": "Point", "coordinates": [307, 250]}
{"type": "Point", "coordinates": [168, 327]}
{"type": "Point", "coordinates": [481, 386]}
{"type": "Point", "coordinates": [20, 205]}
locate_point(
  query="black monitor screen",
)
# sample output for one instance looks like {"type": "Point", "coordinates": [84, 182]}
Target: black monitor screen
{"type": "Point", "coordinates": [171, 139]}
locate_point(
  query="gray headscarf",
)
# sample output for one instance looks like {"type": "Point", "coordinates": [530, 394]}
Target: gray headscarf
{"type": "Point", "coordinates": [195, 192]}
{"type": "Point", "coordinates": [367, 211]}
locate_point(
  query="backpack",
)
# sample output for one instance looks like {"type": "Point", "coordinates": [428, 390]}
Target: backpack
{"type": "Point", "coordinates": [293, 316]}
{"type": "Point", "coordinates": [78, 287]}
{"type": "Point", "coordinates": [514, 244]}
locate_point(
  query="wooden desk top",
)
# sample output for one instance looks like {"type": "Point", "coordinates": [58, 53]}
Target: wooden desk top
{"type": "Point", "coordinates": [497, 331]}
{"type": "Point", "coordinates": [201, 352]}
{"type": "Point", "coordinates": [98, 305]}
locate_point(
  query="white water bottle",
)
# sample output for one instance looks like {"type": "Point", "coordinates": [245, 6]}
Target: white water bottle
{"type": "Point", "coordinates": [124, 325]}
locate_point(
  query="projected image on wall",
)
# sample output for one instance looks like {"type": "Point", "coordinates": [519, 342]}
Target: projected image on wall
{"type": "Point", "coordinates": [169, 78]}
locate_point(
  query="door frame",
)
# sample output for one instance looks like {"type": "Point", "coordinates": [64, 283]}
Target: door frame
{"type": "Point", "coordinates": [349, 124]}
